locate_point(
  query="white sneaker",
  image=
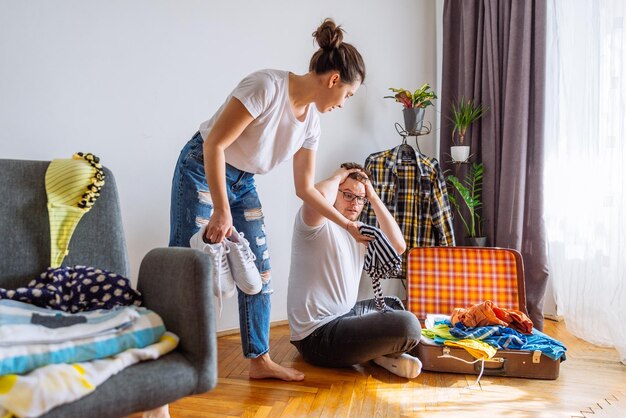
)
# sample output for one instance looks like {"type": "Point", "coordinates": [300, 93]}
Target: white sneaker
{"type": "Point", "coordinates": [241, 260]}
{"type": "Point", "coordinates": [404, 366]}
{"type": "Point", "coordinates": [223, 285]}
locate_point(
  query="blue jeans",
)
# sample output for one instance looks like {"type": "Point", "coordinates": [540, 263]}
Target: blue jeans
{"type": "Point", "coordinates": [191, 207]}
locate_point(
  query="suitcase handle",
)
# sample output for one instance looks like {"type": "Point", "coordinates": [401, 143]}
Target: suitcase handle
{"type": "Point", "coordinates": [495, 371]}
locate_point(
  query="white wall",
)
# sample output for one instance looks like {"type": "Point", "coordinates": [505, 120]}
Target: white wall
{"type": "Point", "coordinates": [131, 81]}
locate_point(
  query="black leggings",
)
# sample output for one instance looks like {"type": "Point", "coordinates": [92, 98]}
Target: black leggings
{"type": "Point", "coordinates": [361, 335]}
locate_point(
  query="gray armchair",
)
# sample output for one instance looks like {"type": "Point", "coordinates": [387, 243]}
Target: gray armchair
{"type": "Point", "coordinates": [174, 282]}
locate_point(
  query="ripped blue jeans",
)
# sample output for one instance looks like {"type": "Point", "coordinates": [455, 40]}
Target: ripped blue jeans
{"type": "Point", "coordinates": [192, 206]}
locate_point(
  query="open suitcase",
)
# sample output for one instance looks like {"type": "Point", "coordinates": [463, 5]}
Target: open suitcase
{"type": "Point", "coordinates": [440, 279]}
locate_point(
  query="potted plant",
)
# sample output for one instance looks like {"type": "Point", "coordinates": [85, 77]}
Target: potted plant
{"type": "Point", "coordinates": [414, 105]}
{"type": "Point", "coordinates": [464, 113]}
{"type": "Point", "coordinates": [468, 192]}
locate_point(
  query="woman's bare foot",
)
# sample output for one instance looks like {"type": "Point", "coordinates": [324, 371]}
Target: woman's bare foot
{"type": "Point", "coordinates": [160, 412]}
{"type": "Point", "coordinates": [263, 367]}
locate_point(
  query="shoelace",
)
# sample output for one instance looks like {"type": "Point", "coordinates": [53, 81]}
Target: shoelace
{"type": "Point", "coordinates": [219, 265]}
{"type": "Point", "coordinates": [246, 255]}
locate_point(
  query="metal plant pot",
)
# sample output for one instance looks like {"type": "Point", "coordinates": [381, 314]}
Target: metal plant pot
{"type": "Point", "coordinates": [476, 241]}
{"type": "Point", "coordinates": [413, 119]}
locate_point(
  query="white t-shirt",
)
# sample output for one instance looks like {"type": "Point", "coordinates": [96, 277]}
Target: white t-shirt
{"type": "Point", "coordinates": [275, 135]}
{"type": "Point", "coordinates": [326, 266]}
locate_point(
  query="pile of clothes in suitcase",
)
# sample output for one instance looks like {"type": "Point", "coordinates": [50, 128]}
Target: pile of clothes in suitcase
{"type": "Point", "coordinates": [484, 328]}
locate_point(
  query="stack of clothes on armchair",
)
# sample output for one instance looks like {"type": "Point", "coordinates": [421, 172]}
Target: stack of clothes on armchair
{"type": "Point", "coordinates": [51, 356]}
{"type": "Point", "coordinates": [71, 328]}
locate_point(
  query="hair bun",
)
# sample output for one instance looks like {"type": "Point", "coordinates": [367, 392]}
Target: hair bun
{"type": "Point", "coordinates": [335, 55]}
{"type": "Point", "coordinates": [328, 35]}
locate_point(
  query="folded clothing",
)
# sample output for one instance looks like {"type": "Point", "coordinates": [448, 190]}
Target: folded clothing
{"type": "Point", "coordinates": [22, 323]}
{"type": "Point", "coordinates": [76, 289]}
{"type": "Point", "coordinates": [144, 329]}
{"type": "Point", "coordinates": [39, 391]}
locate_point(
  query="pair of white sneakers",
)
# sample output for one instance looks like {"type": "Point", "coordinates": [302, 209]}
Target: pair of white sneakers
{"type": "Point", "coordinates": [233, 263]}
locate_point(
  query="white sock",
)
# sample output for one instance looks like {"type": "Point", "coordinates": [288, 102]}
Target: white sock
{"type": "Point", "coordinates": [161, 412]}
{"type": "Point", "coordinates": [404, 366]}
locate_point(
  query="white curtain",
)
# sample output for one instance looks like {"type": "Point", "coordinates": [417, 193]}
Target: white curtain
{"type": "Point", "coordinates": [585, 167]}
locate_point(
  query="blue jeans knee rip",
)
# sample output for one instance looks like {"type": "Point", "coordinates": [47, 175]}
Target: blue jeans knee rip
{"type": "Point", "coordinates": [253, 214]}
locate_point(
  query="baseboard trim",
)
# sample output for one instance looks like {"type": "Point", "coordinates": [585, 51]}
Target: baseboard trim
{"type": "Point", "coordinates": [556, 318]}
{"type": "Point", "coordinates": [233, 331]}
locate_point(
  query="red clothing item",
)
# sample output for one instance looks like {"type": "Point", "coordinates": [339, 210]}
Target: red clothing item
{"type": "Point", "coordinates": [486, 313]}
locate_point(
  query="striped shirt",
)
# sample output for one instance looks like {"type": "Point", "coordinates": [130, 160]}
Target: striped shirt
{"type": "Point", "coordinates": [382, 261]}
{"type": "Point", "coordinates": [413, 189]}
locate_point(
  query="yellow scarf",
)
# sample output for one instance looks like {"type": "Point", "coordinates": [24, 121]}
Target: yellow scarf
{"type": "Point", "coordinates": [72, 185]}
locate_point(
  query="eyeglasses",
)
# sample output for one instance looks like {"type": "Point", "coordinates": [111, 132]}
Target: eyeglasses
{"type": "Point", "coordinates": [349, 197]}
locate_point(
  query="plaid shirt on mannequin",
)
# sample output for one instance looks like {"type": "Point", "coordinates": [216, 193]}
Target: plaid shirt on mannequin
{"type": "Point", "coordinates": [413, 189]}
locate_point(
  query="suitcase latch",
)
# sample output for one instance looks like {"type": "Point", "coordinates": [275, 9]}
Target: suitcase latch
{"type": "Point", "coordinates": [536, 356]}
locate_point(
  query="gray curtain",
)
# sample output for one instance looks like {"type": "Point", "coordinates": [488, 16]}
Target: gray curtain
{"type": "Point", "coordinates": [494, 52]}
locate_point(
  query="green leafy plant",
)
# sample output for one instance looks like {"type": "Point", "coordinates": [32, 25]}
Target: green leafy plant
{"type": "Point", "coordinates": [420, 98]}
{"type": "Point", "coordinates": [469, 190]}
{"type": "Point", "coordinates": [464, 113]}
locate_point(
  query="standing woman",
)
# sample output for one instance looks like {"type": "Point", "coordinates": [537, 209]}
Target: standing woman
{"type": "Point", "coordinates": [270, 117]}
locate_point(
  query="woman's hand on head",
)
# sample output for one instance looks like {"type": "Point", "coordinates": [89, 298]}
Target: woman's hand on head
{"type": "Point", "coordinates": [342, 174]}
{"type": "Point", "coordinates": [219, 227]}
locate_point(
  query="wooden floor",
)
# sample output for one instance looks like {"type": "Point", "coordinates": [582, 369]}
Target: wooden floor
{"type": "Point", "coordinates": [592, 383]}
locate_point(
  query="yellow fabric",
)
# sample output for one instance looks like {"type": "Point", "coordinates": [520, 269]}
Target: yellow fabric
{"type": "Point", "coordinates": [439, 330]}
{"type": "Point", "coordinates": [7, 382]}
{"type": "Point", "coordinates": [478, 349]}
{"type": "Point", "coordinates": [72, 185]}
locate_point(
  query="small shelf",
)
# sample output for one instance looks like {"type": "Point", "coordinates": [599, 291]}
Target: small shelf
{"type": "Point", "coordinates": [451, 161]}
{"type": "Point", "coordinates": [425, 130]}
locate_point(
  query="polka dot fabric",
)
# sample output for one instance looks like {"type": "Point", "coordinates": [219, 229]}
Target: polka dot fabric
{"type": "Point", "coordinates": [76, 289]}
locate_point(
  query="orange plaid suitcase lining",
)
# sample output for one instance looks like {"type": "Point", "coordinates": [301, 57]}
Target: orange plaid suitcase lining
{"type": "Point", "coordinates": [443, 278]}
